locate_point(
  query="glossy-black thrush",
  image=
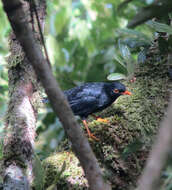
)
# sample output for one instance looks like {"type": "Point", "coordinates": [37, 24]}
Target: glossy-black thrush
{"type": "Point", "coordinates": [92, 97]}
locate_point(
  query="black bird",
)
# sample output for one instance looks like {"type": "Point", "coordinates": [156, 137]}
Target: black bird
{"type": "Point", "coordinates": [92, 97]}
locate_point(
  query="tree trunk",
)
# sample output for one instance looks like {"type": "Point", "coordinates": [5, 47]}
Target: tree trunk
{"type": "Point", "coordinates": [21, 114]}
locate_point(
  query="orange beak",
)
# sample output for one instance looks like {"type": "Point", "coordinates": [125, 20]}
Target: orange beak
{"type": "Point", "coordinates": [126, 93]}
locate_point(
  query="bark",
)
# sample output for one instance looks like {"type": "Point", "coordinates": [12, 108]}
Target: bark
{"type": "Point", "coordinates": [157, 9]}
{"type": "Point", "coordinates": [80, 144]}
{"type": "Point", "coordinates": [158, 157]}
{"type": "Point", "coordinates": [21, 115]}
{"type": "Point", "coordinates": [161, 149]}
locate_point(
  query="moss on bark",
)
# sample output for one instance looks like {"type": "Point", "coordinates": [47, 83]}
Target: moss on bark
{"type": "Point", "coordinates": [20, 126]}
{"type": "Point", "coordinates": [126, 139]}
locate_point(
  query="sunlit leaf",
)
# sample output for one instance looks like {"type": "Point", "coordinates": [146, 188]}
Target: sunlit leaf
{"type": "Point", "coordinates": [109, 54]}
{"type": "Point", "coordinates": [119, 59]}
{"type": "Point", "coordinates": [160, 27]}
{"type": "Point", "coordinates": [135, 43]}
{"type": "Point", "coordinates": [61, 19]}
{"type": "Point", "coordinates": [116, 76]}
{"type": "Point", "coordinates": [134, 33]}
{"type": "Point", "coordinates": [125, 52]}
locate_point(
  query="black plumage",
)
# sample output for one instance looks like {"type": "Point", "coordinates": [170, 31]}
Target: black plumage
{"type": "Point", "coordinates": [92, 97]}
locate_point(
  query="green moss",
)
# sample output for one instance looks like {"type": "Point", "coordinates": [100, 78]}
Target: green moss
{"type": "Point", "coordinates": [124, 142]}
{"type": "Point", "coordinates": [20, 116]}
{"type": "Point", "coordinates": [71, 178]}
{"type": "Point", "coordinates": [133, 120]}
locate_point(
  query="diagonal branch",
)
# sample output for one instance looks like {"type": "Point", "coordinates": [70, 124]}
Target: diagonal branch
{"type": "Point", "coordinates": [158, 156]}
{"type": "Point", "coordinates": [123, 4]}
{"type": "Point", "coordinates": [57, 99]}
{"type": "Point", "coordinates": [158, 9]}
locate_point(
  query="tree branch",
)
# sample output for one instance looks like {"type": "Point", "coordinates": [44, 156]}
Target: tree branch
{"type": "Point", "coordinates": [20, 121]}
{"type": "Point", "coordinates": [158, 156]}
{"type": "Point", "coordinates": [123, 4]}
{"type": "Point", "coordinates": [157, 9]}
{"type": "Point", "coordinates": [57, 99]}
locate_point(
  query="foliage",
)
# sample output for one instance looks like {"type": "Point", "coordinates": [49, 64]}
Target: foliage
{"type": "Point", "coordinates": [86, 41]}
{"type": "Point", "coordinates": [4, 30]}
{"type": "Point", "coordinates": [160, 27]}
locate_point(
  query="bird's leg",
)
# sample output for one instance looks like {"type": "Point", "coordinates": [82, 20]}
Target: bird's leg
{"type": "Point", "coordinates": [100, 119]}
{"type": "Point", "coordinates": [88, 131]}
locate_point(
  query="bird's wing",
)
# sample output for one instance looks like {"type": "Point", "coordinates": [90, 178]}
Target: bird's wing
{"type": "Point", "coordinates": [84, 105]}
{"type": "Point", "coordinates": [88, 89]}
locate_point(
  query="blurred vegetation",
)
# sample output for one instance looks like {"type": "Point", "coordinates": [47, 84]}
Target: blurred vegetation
{"type": "Point", "coordinates": [86, 41]}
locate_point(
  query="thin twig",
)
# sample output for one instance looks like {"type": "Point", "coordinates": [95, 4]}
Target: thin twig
{"type": "Point", "coordinates": [40, 32]}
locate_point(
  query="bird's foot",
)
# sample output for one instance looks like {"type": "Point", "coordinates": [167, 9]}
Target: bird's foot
{"type": "Point", "coordinates": [88, 131]}
{"type": "Point", "coordinates": [102, 120]}
{"type": "Point", "coordinates": [99, 119]}
{"type": "Point", "coordinates": [93, 137]}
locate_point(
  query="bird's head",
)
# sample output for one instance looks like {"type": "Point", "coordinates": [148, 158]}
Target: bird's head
{"type": "Point", "coordinates": [115, 89]}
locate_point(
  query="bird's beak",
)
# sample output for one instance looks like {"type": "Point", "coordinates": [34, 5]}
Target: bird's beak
{"type": "Point", "coordinates": [126, 93]}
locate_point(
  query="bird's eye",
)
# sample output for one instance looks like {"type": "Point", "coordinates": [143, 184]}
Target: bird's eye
{"type": "Point", "coordinates": [116, 91]}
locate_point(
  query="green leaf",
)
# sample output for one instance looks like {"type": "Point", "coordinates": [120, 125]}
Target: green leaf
{"type": "Point", "coordinates": [108, 56]}
{"type": "Point", "coordinates": [61, 19]}
{"type": "Point", "coordinates": [125, 52]}
{"type": "Point", "coordinates": [116, 76]}
{"type": "Point", "coordinates": [134, 33]}
{"type": "Point", "coordinates": [39, 173]}
{"type": "Point", "coordinates": [135, 43]}
{"type": "Point", "coordinates": [119, 60]}
{"type": "Point", "coordinates": [159, 27]}
{"type": "Point", "coordinates": [112, 54]}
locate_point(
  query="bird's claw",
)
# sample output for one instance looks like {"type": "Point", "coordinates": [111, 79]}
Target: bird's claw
{"type": "Point", "coordinates": [102, 120]}
{"type": "Point", "coordinates": [93, 137]}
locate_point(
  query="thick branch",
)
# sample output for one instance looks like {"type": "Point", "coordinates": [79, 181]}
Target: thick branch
{"type": "Point", "coordinates": [18, 144]}
{"type": "Point", "coordinates": [123, 4]}
{"type": "Point", "coordinates": [80, 144]}
{"type": "Point", "coordinates": [158, 157]}
{"type": "Point", "coordinates": [157, 9]}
